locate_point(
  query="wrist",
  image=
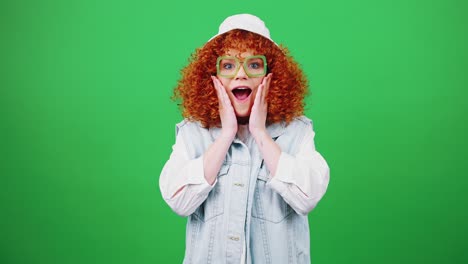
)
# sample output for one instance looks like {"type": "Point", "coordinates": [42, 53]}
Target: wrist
{"type": "Point", "coordinates": [259, 134]}
{"type": "Point", "coordinates": [227, 137]}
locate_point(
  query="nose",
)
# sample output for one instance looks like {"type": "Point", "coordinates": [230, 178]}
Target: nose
{"type": "Point", "coordinates": [241, 75]}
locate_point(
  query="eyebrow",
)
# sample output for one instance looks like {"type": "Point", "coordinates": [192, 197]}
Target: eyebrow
{"type": "Point", "coordinates": [238, 56]}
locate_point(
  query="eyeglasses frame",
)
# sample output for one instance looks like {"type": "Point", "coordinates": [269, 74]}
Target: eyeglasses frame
{"type": "Point", "coordinates": [243, 65]}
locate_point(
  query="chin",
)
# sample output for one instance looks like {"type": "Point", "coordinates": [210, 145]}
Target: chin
{"type": "Point", "coordinates": [242, 114]}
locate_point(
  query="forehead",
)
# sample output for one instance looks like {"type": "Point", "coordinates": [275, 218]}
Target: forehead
{"type": "Point", "coordinates": [239, 54]}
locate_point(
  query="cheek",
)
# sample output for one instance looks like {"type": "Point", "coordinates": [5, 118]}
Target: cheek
{"type": "Point", "coordinates": [256, 84]}
{"type": "Point", "coordinates": [224, 82]}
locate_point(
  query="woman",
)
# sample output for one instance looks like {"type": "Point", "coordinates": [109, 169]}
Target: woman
{"type": "Point", "coordinates": [244, 168]}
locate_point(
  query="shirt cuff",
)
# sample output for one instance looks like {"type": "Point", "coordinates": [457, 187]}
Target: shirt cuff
{"type": "Point", "coordinates": [197, 177]}
{"type": "Point", "coordinates": [284, 169]}
{"type": "Point", "coordinates": [283, 174]}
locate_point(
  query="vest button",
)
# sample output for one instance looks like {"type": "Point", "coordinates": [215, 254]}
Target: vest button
{"type": "Point", "coordinates": [234, 238]}
{"type": "Point", "coordinates": [239, 184]}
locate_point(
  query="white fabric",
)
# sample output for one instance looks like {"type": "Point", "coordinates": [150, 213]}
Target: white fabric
{"type": "Point", "coordinates": [246, 22]}
{"type": "Point", "coordinates": [292, 180]}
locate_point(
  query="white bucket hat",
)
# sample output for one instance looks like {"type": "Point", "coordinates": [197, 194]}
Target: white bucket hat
{"type": "Point", "coordinates": [246, 22]}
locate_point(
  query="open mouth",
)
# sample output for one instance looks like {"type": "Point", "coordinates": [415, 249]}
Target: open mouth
{"type": "Point", "coordinates": [241, 93]}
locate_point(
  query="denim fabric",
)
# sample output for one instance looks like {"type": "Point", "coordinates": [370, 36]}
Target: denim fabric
{"type": "Point", "coordinates": [241, 205]}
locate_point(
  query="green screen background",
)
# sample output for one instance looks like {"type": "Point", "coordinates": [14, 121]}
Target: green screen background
{"type": "Point", "coordinates": [87, 124]}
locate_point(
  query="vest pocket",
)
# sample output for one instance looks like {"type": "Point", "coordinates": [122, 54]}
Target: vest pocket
{"type": "Point", "coordinates": [213, 206]}
{"type": "Point", "coordinates": [268, 204]}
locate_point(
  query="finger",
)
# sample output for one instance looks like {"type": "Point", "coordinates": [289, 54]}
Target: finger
{"type": "Point", "coordinates": [219, 89]}
{"type": "Point", "coordinates": [215, 84]}
{"type": "Point", "coordinates": [270, 76]}
{"type": "Point", "coordinates": [264, 83]}
{"type": "Point", "coordinates": [258, 96]}
{"type": "Point", "coordinates": [267, 86]}
{"type": "Point", "coordinates": [264, 89]}
{"type": "Point", "coordinates": [223, 96]}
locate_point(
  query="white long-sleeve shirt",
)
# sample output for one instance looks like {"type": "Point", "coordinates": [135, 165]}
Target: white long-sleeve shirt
{"type": "Point", "coordinates": [301, 179]}
{"type": "Point", "coordinates": [300, 188]}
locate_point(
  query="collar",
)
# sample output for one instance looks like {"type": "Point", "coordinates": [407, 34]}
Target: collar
{"type": "Point", "coordinates": [274, 130]}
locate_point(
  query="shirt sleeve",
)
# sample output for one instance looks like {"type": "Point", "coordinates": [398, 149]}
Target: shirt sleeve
{"type": "Point", "coordinates": [182, 181]}
{"type": "Point", "coordinates": [301, 179]}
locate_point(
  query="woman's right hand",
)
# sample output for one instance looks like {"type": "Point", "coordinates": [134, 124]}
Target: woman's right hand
{"type": "Point", "coordinates": [226, 111]}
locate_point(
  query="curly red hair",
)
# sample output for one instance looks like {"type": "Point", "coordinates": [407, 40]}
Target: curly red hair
{"type": "Point", "coordinates": [195, 89]}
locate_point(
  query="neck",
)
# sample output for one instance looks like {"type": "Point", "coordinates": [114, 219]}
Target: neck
{"type": "Point", "coordinates": [243, 120]}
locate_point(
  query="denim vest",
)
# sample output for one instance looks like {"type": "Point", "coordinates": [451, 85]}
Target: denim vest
{"type": "Point", "coordinates": [240, 206]}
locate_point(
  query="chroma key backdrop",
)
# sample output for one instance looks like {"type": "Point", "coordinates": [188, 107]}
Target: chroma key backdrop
{"type": "Point", "coordinates": [87, 124]}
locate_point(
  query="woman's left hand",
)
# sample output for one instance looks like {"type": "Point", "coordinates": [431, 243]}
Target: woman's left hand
{"type": "Point", "coordinates": [257, 121]}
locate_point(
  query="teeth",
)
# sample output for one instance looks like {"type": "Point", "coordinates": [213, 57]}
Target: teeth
{"type": "Point", "coordinates": [242, 92]}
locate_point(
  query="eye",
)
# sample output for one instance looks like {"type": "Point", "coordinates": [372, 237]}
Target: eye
{"type": "Point", "coordinates": [228, 66]}
{"type": "Point", "coordinates": [254, 65]}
